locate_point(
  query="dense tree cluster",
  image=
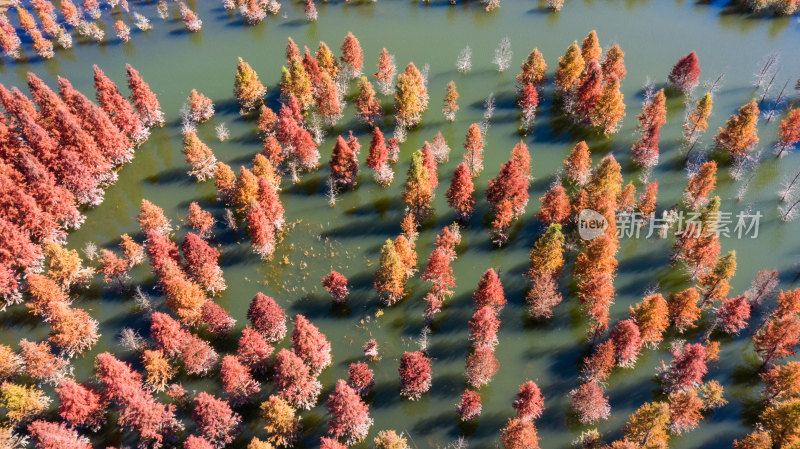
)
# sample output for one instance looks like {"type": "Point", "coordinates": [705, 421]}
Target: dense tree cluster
{"type": "Point", "coordinates": [58, 151]}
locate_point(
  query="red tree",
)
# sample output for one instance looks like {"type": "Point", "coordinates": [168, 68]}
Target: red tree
{"type": "Point", "coordinates": [482, 365]}
{"type": "Point", "coordinates": [344, 165]}
{"type": "Point", "coordinates": [310, 344]}
{"type": "Point", "coordinates": [201, 263]}
{"type": "Point", "coordinates": [589, 403]}
{"type": "Point", "coordinates": [483, 327]}
{"type": "Point", "coordinates": [253, 349]}
{"type": "Point", "coordinates": [138, 409]}
{"type": "Point", "coordinates": [294, 381]}
{"type": "Point", "coordinates": [352, 55]}
{"type": "Point", "coordinates": [519, 434]}
{"type": "Point", "coordinates": [330, 443]}
{"type": "Point", "coordinates": [215, 420]}
{"type": "Point", "coordinates": [490, 291]}
{"type": "Point", "coordinates": [415, 375]}
{"type": "Point", "coordinates": [360, 378]}
{"type": "Point", "coordinates": [529, 402]}
{"type": "Point", "coordinates": [686, 370]}
{"type": "Point", "coordinates": [627, 343]}
{"type": "Point", "coordinates": [685, 75]}
{"type": "Point", "coordinates": [336, 284]}
{"type": "Point", "coordinates": [460, 192]}
{"type": "Point", "coordinates": [597, 367]}
{"type": "Point", "coordinates": [512, 183]}
{"type": "Point", "coordinates": [112, 142]}
{"type": "Point", "coordinates": [732, 314]}
{"type": "Point", "coordinates": [237, 381]}
{"type": "Point", "coordinates": [778, 339]}
{"type": "Point", "coordinates": [196, 442]}
{"type": "Point", "coordinates": [378, 151]}
{"type": "Point", "coordinates": [48, 435]}
{"type": "Point", "coordinates": [470, 406]}
{"type": "Point", "coordinates": [144, 99]}
{"type": "Point", "coordinates": [555, 206]}
{"type": "Point", "coordinates": [439, 273]}
{"type": "Point", "coordinates": [654, 114]}
{"type": "Point", "coordinates": [267, 317]}
{"type": "Point", "coordinates": [349, 414]}
{"type": "Point", "coordinates": [80, 406]}
{"type": "Point", "coordinates": [118, 108]}
{"type": "Point", "coordinates": [216, 319]}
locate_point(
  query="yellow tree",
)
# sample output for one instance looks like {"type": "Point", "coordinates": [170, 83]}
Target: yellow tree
{"type": "Point", "coordinates": [247, 87]}
{"type": "Point", "coordinates": [410, 98]}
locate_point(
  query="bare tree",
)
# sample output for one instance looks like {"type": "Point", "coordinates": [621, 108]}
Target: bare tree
{"type": "Point", "coordinates": [464, 62]}
{"type": "Point", "coordinates": [503, 54]}
{"type": "Point", "coordinates": [788, 188]}
{"type": "Point", "coordinates": [777, 105]}
{"type": "Point", "coordinates": [769, 66]}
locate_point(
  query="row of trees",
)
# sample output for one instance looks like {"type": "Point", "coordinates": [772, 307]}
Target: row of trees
{"type": "Point", "coordinates": [60, 151]}
{"type": "Point", "coordinates": [58, 24]}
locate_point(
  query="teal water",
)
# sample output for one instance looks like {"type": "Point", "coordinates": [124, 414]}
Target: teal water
{"type": "Point", "coordinates": [654, 34]}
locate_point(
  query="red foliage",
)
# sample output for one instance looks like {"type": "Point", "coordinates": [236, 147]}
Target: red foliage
{"type": "Point", "coordinates": [555, 206]}
{"type": "Point", "coordinates": [589, 403]}
{"type": "Point", "coordinates": [686, 370]}
{"type": "Point", "coordinates": [778, 339]}
{"type": "Point", "coordinates": [511, 184]}
{"type": "Point", "coordinates": [519, 434]}
{"type": "Point", "coordinates": [195, 442]}
{"type": "Point", "coordinates": [627, 343]}
{"type": "Point", "coordinates": [330, 443]}
{"type": "Point", "coordinates": [112, 142]}
{"type": "Point", "coordinates": [138, 409]}
{"type": "Point", "coordinates": [459, 194]}
{"type": "Point", "coordinates": [41, 363]}
{"type": "Point", "coordinates": [439, 273]}
{"type": "Point", "coordinates": [352, 55]}
{"type": "Point", "coordinates": [415, 375]}
{"type": "Point", "coordinates": [483, 327]}
{"type": "Point", "coordinates": [167, 333]}
{"type": "Point", "coordinates": [685, 75]}
{"type": "Point", "coordinates": [361, 378]}
{"type": "Point", "coordinates": [310, 344]}
{"type": "Point", "coordinates": [336, 284]}
{"type": "Point", "coordinates": [294, 381]}
{"type": "Point", "coordinates": [529, 402]}
{"type": "Point", "coordinates": [378, 151]}
{"type": "Point", "coordinates": [590, 88]}
{"type": "Point", "coordinates": [732, 314]}
{"type": "Point", "coordinates": [197, 355]}
{"type": "Point", "coordinates": [81, 406]}
{"type": "Point", "coordinates": [216, 319]}
{"type": "Point", "coordinates": [237, 381]}
{"type": "Point", "coordinates": [349, 414]}
{"type": "Point", "coordinates": [115, 105]}
{"type": "Point", "coordinates": [267, 317]}
{"type": "Point", "coordinates": [685, 409]}
{"type": "Point", "coordinates": [48, 435]}
{"type": "Point", "coordinates": [344, 165]}
{"type": "Point", "coordinates": [482, 365]}
{"type": "Point", "coordinates": [144, 99]}
{"type": "Point", "coordinates": [470, 406]}
{"type": "Point", "coordinates": [201, 263]}
{"type": "Point", "coordinates": [645, 150]}
{"type": "Point", "coordinates": [490, 291]}
{"type": "Point", "coordinates": [253, 349]}
{"type": "Point", "coordinates": [214, 419]}
{"type": "Point", "coordinates": [260, 231]}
